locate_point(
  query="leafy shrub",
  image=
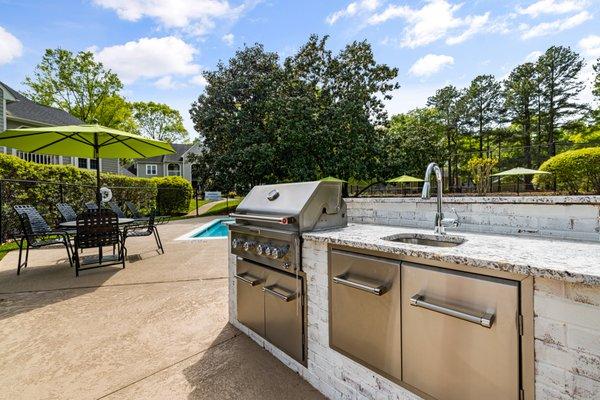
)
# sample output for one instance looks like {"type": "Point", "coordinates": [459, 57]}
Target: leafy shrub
{"type": "Point", "coordinates": [575, 171]}
{"type": "Point", "coordinates": [174, 195]}
{"type": "Point", "coordinates": [481, 170]}
{"type": "Point", "coordinates": [45, 185]}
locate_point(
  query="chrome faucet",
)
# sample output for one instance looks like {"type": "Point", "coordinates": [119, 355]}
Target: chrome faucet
{"type": "Point", "coordinates": [440, 221]}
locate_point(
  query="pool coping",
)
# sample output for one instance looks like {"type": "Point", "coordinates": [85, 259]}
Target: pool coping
{"type": "Point", "coordinates": [195, 231]}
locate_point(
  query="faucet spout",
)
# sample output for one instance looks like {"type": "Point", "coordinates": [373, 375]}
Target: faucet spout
{"type": "Point", "coordinates": [425, 194]}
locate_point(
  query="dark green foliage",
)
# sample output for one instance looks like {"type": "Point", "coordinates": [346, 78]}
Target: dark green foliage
{"type": "Point", "coordinates": [575, 171]}
{"type": "Point", "coordinates": [312, 117]}
{"type": "Point", "coordinates": [174, 195]}
{"type": "Point", "coordinates": [78, 186]}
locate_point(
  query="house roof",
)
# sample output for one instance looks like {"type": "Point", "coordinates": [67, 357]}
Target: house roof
{"type": "Point", "coordinates": [180, 149]}
{"type": "Point", "coordinates": [30, 111]}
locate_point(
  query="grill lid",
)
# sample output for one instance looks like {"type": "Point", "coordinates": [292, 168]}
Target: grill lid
{"type": "Point", "coordinates": [300, 203]}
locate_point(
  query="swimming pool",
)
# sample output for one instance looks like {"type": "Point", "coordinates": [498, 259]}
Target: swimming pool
{"type": "Point", "coordinates": [216, 229]}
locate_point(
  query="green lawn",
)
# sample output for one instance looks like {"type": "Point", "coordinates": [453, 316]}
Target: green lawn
{"type": "Point", "coordinates": [221, 208]}
{"type": "Point", "coordinates": [6, 247]}
{"type": "Point", "coordinates": [193, 204]}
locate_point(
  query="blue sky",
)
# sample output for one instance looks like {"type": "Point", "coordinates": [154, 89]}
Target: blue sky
{"type": "Point", "coordinates": [160, 47]}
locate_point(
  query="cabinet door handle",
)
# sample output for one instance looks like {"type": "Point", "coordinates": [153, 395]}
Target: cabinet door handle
{"type": "Point", "coordinates": [343, 280]}
{"type": "Point", "coordinates": [484, 319]}
{"type": "Point", "coordinates": [249, 279]}
{"type": "Point", "coordinates": [285, 297]}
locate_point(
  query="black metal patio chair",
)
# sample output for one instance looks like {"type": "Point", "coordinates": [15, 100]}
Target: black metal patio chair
{"type": "Point", "coordinates": [142, 230]}
{"type": "Point", "coordinates": [36, 233]}
{"type": "Point", "coordinates": [97, 229]}
{"type": "Point", "coordinates": [134, 211]}
{"type": "Point", "coordinates": [116, 209]}
{"type": "Point", "coordinates": [91, 206]}
{"type": "Point", "coordinates": [66, 212]}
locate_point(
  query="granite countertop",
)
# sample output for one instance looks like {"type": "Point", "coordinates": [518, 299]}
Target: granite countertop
{"type": "Point", "coordinates": [558, 259]}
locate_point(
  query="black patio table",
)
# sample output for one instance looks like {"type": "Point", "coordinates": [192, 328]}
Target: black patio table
{"type": "Point", "coordinates": [73, 224]}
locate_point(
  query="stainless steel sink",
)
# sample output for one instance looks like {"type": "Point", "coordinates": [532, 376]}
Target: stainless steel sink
{"type": "Point", "coordinates": [427, 240]}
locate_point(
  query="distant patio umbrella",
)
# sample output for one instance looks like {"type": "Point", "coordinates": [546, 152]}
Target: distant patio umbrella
{"type": "Point", "coordinates": [404, 179]}
{"type": "Point", "coordinates": [85, 141]}
{"type": "Point", "coordinates": [519, 172]}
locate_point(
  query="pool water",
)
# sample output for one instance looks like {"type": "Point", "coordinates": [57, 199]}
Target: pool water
{"type": "Point", "coordinates": [217, 229]}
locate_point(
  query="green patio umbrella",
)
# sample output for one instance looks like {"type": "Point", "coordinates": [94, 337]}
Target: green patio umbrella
{"type": "Point", "coordinates": [519, 172]}
{"type": "Point", "coordinates": [85, 141]}
{"type": "Point", "coordinates": [404, 179]}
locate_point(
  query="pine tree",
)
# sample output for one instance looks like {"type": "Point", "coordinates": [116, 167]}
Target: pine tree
{"type": "Point", "coordinates": [559, 69]}
{"type": "Point", "coordinates": [484, 99]}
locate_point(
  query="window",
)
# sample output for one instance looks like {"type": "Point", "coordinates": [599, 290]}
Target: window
{"type": "Point", "coordinates": [173, 170]}
{"type": "Point", "coordinates": [151, 169]}
{"type": "Point", "coordinates": [82, 163]}
{"type": "Point", "coordinates": [93, 163]}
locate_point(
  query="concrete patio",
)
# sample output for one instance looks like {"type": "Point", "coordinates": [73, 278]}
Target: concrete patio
{"type": "Point", "coordinates": [155, 330]}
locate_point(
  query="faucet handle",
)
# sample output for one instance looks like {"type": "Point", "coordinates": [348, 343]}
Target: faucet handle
{"type": "Point", "coordinates": [457, 216]}
{"type": "Point", "coordinates": [452, 221]}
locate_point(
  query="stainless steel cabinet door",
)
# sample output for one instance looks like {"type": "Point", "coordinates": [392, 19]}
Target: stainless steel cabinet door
{"type": "Point", "coordinates": [460, 334]}
{"type": "Point", "coordinates": [250, 299]}
{"type": "Point", "coordinates": [365, 310]}
{"type": "Point", "coordinates": [284, 313]}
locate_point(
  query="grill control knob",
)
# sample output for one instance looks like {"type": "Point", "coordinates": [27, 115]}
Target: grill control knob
{"type": "Point", "coordinates": [235, 243]}
{"type": "Point", "coordinates": [278, 252]}
{"type": "Point", "coordinates": [249, 245]}
{"type": "Point", "coordinates": [260, 249]}
{"type": "Point", "coordinates": [268, 251]}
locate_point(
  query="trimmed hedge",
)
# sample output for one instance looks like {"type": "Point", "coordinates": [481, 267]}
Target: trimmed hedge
{"type": "Point", "coordinates": [575, 171]}
{"type": "Point", "coordinates": [174, 195]}
{"type": "Point", "coordinates": [73, 185]}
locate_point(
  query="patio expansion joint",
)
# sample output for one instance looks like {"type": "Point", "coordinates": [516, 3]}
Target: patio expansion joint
{"type": "Point", "coordinates": [113, 285]}
{"type": "Point", "coordinates": [235, 335]}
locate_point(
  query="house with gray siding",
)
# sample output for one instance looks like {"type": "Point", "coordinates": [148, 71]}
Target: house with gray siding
{"type": "Point", "coordinates": [17, 111]}
{"type": "Point", "coordinates": [176, 164]}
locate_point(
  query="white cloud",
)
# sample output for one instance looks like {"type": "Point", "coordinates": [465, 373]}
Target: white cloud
{"type": "Point", "coordinates": [150, 58]}
{"type": "Point", "coordinates": [352, 9]}
{"type": "Point", "coordinates": [196, 16]}
{"type": "Point", "coordinates": [474, 25]}
{"type": "Point", "coordinates": [431, 22]}
{"type": "Point", "coordinates": [533, 56]}
{"type": "Point", "coordinates": [228, 39]}
{"type": "Point", "coordinates": [590, 45]}
{"type": "Point", "coordinates": [10, 47]}
{"type": "Point", "coordinates": [552, 7]}
{"type": "Point", "coordinates": [167, 83]}
{"type": "Point", "coordinates": [430, 64]}
{"type": "Point", "coordinates": [199, 80]}
{"type": "Point", "coordinates": [559, 25]}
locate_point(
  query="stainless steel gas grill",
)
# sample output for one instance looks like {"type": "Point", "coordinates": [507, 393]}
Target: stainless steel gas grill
{"type": "Point", "coordinates": [266, 238]}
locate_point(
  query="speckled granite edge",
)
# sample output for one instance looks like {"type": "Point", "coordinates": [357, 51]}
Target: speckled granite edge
{"type": "Point", "coordinates": [487, 199]}
{"type": "Point", "coordinates": [563, 260]}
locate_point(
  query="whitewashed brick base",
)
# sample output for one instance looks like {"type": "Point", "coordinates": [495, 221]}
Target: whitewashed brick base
{"type": "Point", "coordinates": [567, 341]}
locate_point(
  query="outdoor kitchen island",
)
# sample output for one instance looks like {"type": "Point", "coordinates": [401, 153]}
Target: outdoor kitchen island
{"type": "Point", "coordinates": [559, 284]}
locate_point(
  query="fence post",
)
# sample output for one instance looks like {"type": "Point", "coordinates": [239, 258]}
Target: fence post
{"type": "Point", "coordinates": [197, 201]}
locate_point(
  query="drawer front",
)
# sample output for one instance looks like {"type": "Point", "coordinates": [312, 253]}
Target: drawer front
{"type": "Point", "coordinates": [250, 279]}
{"type": "Point", "coordinates": [365, 310]}
{"type": "Point", "coordinates": [460, 334]}
{"type": "Point", "coordinates": [284, 313]}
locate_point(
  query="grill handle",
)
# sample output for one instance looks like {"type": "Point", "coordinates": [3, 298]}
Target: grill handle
{"type": "Point", "coordinates": [376, 290]}
{"type": "Point", "coordinates": [484, 319]}
{"type": "Point", "coordinates": [284, 297]}
{"type": "Point", "coordinates": [250, 280]}
{"type": "Point", "coordinates": [264, 218]}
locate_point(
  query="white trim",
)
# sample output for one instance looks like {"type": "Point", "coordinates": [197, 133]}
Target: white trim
{"type": "Point", "coordinates": [190, 235]}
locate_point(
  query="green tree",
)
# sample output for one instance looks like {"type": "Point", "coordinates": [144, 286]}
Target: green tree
{"type": "Point", "coordinates": [448, 106]}
{"type": "Point", "coordinates": [116, 112]}
{"type": "Point", "coordinates": [484, 100]}
{"type": "Point", "coordinates": [559, 69]}
{"type": "Point", "coordinates": [75, 83]}
{"type": "Point", "coordinates": [413, 140]}
{"type": "Point", "coordinates": [159, 121]}
{"type": "Point", "coordinates": [519, 102]}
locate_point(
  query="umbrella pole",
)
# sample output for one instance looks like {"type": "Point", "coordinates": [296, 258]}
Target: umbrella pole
{"type": "Point", "coordinates": [96, 156]}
